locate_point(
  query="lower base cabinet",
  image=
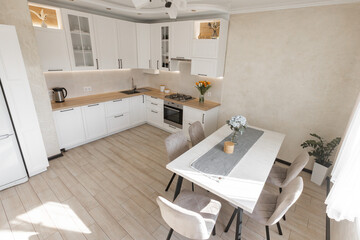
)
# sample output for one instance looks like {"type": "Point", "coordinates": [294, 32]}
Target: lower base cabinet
{"type": "Point", "coordinates": [94, 120]}
{"type": "Point", "coordinates": [118, 122]}
{"type": "Point", "coordinates": [69, 127]}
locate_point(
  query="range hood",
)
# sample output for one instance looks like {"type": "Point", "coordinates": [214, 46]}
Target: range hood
{"type": "Point", "coordinates": [181, 59]}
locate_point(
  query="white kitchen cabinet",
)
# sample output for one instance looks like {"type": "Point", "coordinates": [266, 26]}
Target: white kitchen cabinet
{"type": "Point", "coordinates": [117, 107]}
{"type": "Point", "coordinates": [208, 119]}
{"type": "Point", "coordinates": [52, 48]}
{"type": "Point", "coordinates": [137, 110]}
{"type": "Point", "coordinates": [117, 115]}
{"type": "Point", "coordinates": [80, 39]}
{"type": "Point", "coordinates": [127, 44]}
{"type": "Point", "coordinates": [118, 122]}
{"type": "Point", "coordinates": [181, 39]}
{"type": "Point", "coordinates": [155, 45]}
{"type": "Point", "coordinates": [155, 111]}
{"type": "Point", "coordinates": [204, 67]}
{"type": "Point", "coordinates": [69, 127]}
{"type": "Point", "coordinates": [105, 32]}
{"type": "Point", "coordinates": [94, 120]}
{"type": "Point", "coordinates": [143, 45]}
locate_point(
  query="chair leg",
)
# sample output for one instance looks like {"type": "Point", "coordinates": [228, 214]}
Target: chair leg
{"type": "Point", "coordinates": [267, 233]}
{"type": "Point", "coordinates": [192, 186]}
{"type": "Point", "coordinates": [231, 220]}
{"type": "Point", "coordinates": [170, 233]}
{"type": "Point", "coordinates": [280, 190]}
{"type": "Point", "coordinates": [171, 180]}
{"type": "Point", "coordinates": [279, 228]}
{"type": "Point", "coordinates": [214, 230]}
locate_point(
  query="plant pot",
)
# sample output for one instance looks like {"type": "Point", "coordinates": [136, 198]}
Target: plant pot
{"type": "Point", "coordinates": [319, 173]}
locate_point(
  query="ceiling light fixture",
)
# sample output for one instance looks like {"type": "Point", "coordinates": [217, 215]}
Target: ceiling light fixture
{"type": "Point", "coordinates": [108, 9]}
{"type": "Point", "coordinates": [168, 4]}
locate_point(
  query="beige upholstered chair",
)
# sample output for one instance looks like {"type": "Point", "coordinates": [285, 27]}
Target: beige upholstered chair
{"type": "Point", "coordinates": [176, 144]}
{"type": "Point", "coordinates": [270, 207]}
{"type": "Point", "coordinates": [192, 215]}
{"type": "Point", "coordinates": [281, 177]}
{"type": "Point", "coordinates": [196, 133]}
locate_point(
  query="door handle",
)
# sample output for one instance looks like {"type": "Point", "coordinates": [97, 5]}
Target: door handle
{"type": "Point", "coordinates": [55, 70]}
{"type": "Point", "coordinates": [200, 74]}
{"type": "Point", "coordinates": [119, 100]}
{"type": "Point", "coordinates": [203, 118]}
{"type": "Point", "coordinates": [154, 111]}
{"type": "Point", "coordinates": [5, 136]}
{"type": "Point", "coordinates": [157, 64]}
{"type": "Point", "coordinates": [149, 63]}
{"type": "Point", "coordinates": [67, 110]}
{"type": "Point", "coordinates": [93, 105]}
{"type": "Point", "coordinates": [97, 63]}
{"type": "Point", "coordinates": [119, 64]}
{"type": "Point", "coordinates": [119, 116]}
{"type": "Point", "coordinates": [154, 104]}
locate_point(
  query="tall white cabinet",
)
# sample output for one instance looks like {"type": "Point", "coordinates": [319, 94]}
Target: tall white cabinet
{"type": "Point", "coordinates": [127, 45]}
{"type": "Point", "coordinates": [106, 42]}
{"type": "Point", "coordinates": [143, 45]}
{"type": "Point", "coordinates": [20, 100]}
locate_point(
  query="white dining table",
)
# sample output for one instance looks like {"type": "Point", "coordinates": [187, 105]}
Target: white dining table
{"type": "Point", "coordinates": [243, 185]}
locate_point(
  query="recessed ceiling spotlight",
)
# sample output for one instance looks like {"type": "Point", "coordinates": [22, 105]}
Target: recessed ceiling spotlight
{"type": "Point", "coordinates": [166, 13]}
{"type": "Point", "coordinates": [138, 13]}
{"type": "Point", "coordinates": [71, 0]}
{"type": "Point", "coordinates": [193, 10]}
{"type": "Point", "coordinates": [108, 9]}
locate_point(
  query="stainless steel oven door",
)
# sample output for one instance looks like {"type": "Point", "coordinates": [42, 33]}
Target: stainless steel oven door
{"type": "Point", "coordinates": [173, 116]}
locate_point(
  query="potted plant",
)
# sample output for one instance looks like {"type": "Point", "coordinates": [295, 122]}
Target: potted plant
{"type": "Point", "coordinates": [202, 86]}
{"type": "Point", "coordinates": [322, 151]}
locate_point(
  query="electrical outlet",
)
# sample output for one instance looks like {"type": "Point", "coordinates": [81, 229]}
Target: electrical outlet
{"type": "Point", "coordinates": [51, 94]}
{"type": "Point", "coordinates": [87, 89]}
{"type": "Point", "coordinates": [209, 94]}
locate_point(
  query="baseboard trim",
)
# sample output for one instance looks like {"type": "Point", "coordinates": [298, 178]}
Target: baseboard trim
{"type": "Point", "coordinates": [287, 163]}
{"type": "Point", "coordinates": [55, 156]}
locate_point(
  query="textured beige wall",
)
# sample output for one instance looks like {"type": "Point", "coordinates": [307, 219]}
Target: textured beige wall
{"type": "Point", "coordinates": [100, 81]}
{"type": "Point", "coordinates": [16, 12]}
{"type": "Point", "coordinates": [184, 82]}
{"type": "Point", "coordinates": [294, 71]}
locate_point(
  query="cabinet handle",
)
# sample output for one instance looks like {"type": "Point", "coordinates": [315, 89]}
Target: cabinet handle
{"type": "Point", "coordinates": [200, 74]}
{"type": "Point", "coordinates": [157, 64]}
{"type": "Point", "coordinates": [143, 98]}
{"type": "Point", "coordinates": [119, 116]}
{"type": "Point", "coordinates": [93, 105]}
{"type": "Point", "coordinates": [203, 118]}
{"type": "Point", "coordinates": [5, 136]}
{"type": "Point", "coordinates": [119, 64]}
{"type": "Point", "coordinates": [153, 97]}
{"type": "Point", "coordinates": [67, 110]}
{"type": "Point", "coordinates": [180, 57]}
{"type": "Point", "coordinates": [149, 63]}
{"type": "Point", "coordinates": [97, 63]}
{"type": "Point", "coordinates": [119, 100]}
{"type": "Point", "coordinates": [172, 126]}
{"type": "Point", "coordinates": [154, 111]}
{"type": "Point", "coordinates": [55, 70]}
{"type": "Point", "coordinates": [154, 104]}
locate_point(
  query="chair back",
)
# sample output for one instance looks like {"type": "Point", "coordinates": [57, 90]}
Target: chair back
{"type": "Point", "coordinates": [196, 133]}
{"type": "Point", "coordinates": [296, 167]}
{"type": "Point", "coordinates": [185, 222]}
{"type": "Point", "coordinates": [176, 144]}
{"type": "Point", "coordinates": [286, 199]}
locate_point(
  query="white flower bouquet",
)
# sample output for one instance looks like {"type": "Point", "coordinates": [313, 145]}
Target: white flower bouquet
{"type": "Point", "coordinates": [237, 124]}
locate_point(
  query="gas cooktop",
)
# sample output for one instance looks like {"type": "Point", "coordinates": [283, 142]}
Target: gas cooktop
{"type": "Point", "coordinates": [179, 97]}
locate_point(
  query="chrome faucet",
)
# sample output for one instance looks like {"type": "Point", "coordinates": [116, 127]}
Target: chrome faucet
{"type": "Point", "coordinates": [133, 86]}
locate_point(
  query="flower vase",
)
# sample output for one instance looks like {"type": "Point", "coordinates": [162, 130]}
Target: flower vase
{"type": "Point", "coordinates": [234, 137]}
{"type": "Point", "coordinates": [201, 98]}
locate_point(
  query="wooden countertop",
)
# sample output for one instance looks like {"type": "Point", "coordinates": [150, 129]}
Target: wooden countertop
{"type": "Point", "coordinates": [104, 97]}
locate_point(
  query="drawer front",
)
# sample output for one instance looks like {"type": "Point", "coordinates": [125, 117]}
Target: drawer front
{"type": "Point", "coordinates": [169, 128]}
{"type": "Point", "coordinates": [155, 106]}
{"type": "Point", "coordinates": [117, 107]}
{"type": "Point", "coordinates": [118, 122]}
{"type": "Point", "coordinates": [154, 101]}
{"type": "Point", "coordinates": [155, 117]}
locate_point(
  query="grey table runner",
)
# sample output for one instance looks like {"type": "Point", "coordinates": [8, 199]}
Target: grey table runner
{"type": "Point", "coordinates": [217, 162]}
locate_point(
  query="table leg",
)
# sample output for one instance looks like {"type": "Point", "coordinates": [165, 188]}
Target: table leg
{"type": "Point", "coordinates": [238, 223]}
{"type": "Point", "coordinates": [178, 187]}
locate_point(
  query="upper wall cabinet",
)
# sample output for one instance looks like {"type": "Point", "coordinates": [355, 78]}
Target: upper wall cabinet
{"type": "Point", "coordinates": [105, 31]}
{"type": "Point", "coordinates": [209, 48]}
{"type": "Point", "coordinates": [181, 39]}
{"type": "Point", "coordinates": [127, 48]}
{"type": "Point", "coordinates": [143, 45]}
{"type": "Point", "coordinates": [80, 37]}
{"type": "Point", "coordinates": [160, 46]}
{"type": "Point", "coordinates": [52, 47]}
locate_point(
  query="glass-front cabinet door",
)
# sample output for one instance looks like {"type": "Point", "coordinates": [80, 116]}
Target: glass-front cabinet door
{"type": "Point", "coordinates": [165, 47]}
{"type": "Point", "coordinates": [79, 31]}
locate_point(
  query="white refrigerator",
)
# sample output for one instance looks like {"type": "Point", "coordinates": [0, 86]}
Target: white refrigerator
{"type": "Point", "coordinates": [12, 168]}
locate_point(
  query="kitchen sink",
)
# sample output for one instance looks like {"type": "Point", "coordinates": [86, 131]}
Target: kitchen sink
{"type": "Point", "coordinates": [133, 91]}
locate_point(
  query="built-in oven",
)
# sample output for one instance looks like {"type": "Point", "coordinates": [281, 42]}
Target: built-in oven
{"type": "Point", "coordinates": [173, 114]}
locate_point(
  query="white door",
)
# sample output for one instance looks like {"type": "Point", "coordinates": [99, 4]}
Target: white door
{"type": "Point", "coordinates": [181, 39]}
{"type": "Point", "coordinates": [155, 46]}
{"type": "Point", "coordinates": [143, 45]}
{"type": "Point", "coordinates": [80, 38]}
{"type": "Point", "coordinates": [20, 101]}
{"type": "Point", "coordinates": [53, 51]}
{"type": "Point", "coordinates": [69, 127]}
{"type": "Point", "coordinates": [12, 170]}
{"type": "Point", "coordinates": [94, 120]}
{"type": "Point", "coordinates": [127, 46]}
{"type": "Point", "coordinates": [137, 110]}
{"type": "Point", "coordinates": [106, 42]}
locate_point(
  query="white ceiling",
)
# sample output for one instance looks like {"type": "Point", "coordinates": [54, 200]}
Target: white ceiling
{"type": "Point", "coordinates": [195, 8]}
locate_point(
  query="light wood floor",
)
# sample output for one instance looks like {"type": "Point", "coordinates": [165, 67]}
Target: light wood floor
{"type": "Point", "coordinates": [107, 190]}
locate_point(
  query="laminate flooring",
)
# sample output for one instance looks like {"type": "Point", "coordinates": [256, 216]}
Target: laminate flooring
{"type": "Point", "coordinates": [107, 190]}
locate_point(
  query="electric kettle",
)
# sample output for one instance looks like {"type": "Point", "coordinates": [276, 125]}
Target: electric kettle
{"type": "Point", "coordinates": [60, 94]}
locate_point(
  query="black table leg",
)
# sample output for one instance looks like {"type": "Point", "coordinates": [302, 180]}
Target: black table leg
{"type": "Point", "coordinates": [238, 224]}
{"type": "Point", "coordinates": [178, 187]}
